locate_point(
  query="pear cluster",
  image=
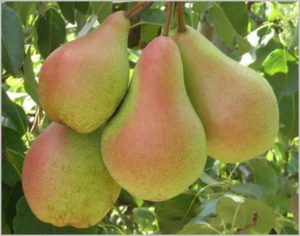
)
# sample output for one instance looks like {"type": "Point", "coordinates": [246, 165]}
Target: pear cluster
{"type": "Point", "coordinates": [186, 100]}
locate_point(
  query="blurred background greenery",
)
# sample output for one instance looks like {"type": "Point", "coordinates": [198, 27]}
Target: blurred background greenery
{"type": "Point", "coordinates": [259, 196]}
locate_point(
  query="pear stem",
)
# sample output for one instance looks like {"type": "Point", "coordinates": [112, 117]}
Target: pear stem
{"type": "Point", "coordinates": [136, 9]}
{"type": "Point", "coordinates": [180, 13]}
{"type": "Point", "coordinates": [168, 19]}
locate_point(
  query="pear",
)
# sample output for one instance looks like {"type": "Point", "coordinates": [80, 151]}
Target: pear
{"type": "Point", "coordinates": [64, 178]}
{"type": "Point", "coordinates": [154, 146]}
{"type": "Point", "coordinates": [82, 82]}
{"type": "Point", "coordinates": [237, 106]}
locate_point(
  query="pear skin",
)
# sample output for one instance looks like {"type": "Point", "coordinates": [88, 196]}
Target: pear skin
{"type": "Point", "coordinates": [154, 146]}
{"type": "Point", "coordinates": [237, 106]}
{"type": "Point", "coordinates": [82, 82]}
{"type": "Point", "coordinates": [64, 178]}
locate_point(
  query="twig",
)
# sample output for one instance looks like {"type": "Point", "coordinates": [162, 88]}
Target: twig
{"type": "Point", "coordinates": [180, 13]}
{"type": "Point", "coordinates": [168, 19]}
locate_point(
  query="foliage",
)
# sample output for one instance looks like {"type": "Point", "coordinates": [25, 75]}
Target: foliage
{"type": "Point", "coordinates": [258, 196]}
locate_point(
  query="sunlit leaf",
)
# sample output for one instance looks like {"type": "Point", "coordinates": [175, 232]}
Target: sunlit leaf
{"type": "Point", "coordinates": [276, 61]}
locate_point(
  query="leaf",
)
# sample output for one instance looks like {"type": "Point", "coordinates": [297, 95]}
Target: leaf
{"type": "Point", "coordinates": [24, 9]}
{"type": "Point", "coordinates": [240, 215]}
{"type": "Point", "coordinates": [276, 61]}
{"type": "Point", "coordinates": [82, 6]}
{"type": "Point", "coordinates": [249, 189]}
{"type": "Point", "coordinates": [284, 84]}
{"type": "Point", "coordinates": [12, 41]}
{"type": "Point", "coordinates": [144, 218]}
{"type": "Point", "coordinates": [200, 228]}
{"type": "Point", "coordinates": [51, 32]}
{"type": "Point", "coordinates": [13, 150]}
{"type": "Point", "coordinates": [199, 7]}
{"type": "Point", "coordinates": [68, 11]}
{"type": "Point", "coordinates": [102, 9]}
{"type": "Point", "coordinates": [15, 194]}
{"type": "Point", "coordinates": [176, 212]}
{"type": "Point", "coordinates": [265, 176]}
{"type": "Point", "coordinates": [25, 222]}
{"type": "Point", "coordinates": [153, 16]}
{"type": "Point", "coordinates": [226, 209]}
{"type": "Point", "coordinates": [30, 83]}
{"type": "Point", "coordinates": [15, 113]}
{"type": "Point", "coordinates": [265, 217]}
{"type": "Point", "coordinates": [225, 30]}
{"type": "Point", "coordinates": [237, 14]}
{"type": "Point", "coordinates": [149, 32]}
{"type": "Point", "coordinates": [288, 110]}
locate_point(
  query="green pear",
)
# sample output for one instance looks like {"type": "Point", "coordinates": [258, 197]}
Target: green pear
{"type": "Point", "coordinates": [154, 146]}
{"type": "Point", "coordinates": [82, 82]}
{"type": "Point", "coordinates": [64, 178]}
{"type": "Point", "coordinates": [237, 106]}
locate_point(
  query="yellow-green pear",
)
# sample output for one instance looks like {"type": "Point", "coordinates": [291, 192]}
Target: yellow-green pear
{"type": "Point", "coordinates": [154, 146]}
{"type": "Point", "coordinates": [237, 106]}
{"type": "Point", "coordinates": [64, 178]}
{"type": "Point", "coordinates": [82, 82]}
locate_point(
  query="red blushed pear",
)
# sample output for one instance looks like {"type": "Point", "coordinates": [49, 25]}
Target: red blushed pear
{"type": "Point", "coordinates": [82, 82]}
{"type": "Point", "coordinates": [154, 147]}
{"type": "Point", "coordinates": [64, 178]}
{"type": "Point", "coordinates": [237, 106]}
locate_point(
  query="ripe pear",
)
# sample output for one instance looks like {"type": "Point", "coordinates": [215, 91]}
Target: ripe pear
{"type": "Point", "coordinates": [237, 106]}
{"type": "Point", "coordinates": [64, 178]}
{"type": "Point", "coordinates": [154, 147]}
{"type": "Point", "coordinates": [82, 82]}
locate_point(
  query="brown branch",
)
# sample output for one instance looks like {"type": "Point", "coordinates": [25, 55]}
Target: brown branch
{"type": "Point", "coordinates": [168, 19]}
{"type": "Point", "coordinates": [180, 13]}
{"type": "Point", "coordinates": [136, 9]}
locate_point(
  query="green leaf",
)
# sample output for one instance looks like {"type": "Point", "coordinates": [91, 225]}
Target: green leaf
{"type": "Point", "coordinates": [14, 149]}
{"type": "Point", "coordinates": [226, 31]}
{"type": "Point", "coordinates": [265, 217]}
{"type": "Point", "coordinates": [102, 9]}
{"type": "Point", "coordinates": [82, 6]}
{"type": "Point", "coordinates": [248, 189]}
{"type": "Point", "coordinates": [237, 14]}
{"type": "Point", "coordinates": [15, 194]}
{"type": "Point", "coordinates": [144, 218]}
{"type": "Point", "coordinates": [176, 212]}
{"type": "Point", "coordinates": [149, 32]}
{"type": "Point", "coordinates": [226, 209]}
{"type": "Point", "coordinates": [12, 41]}
{"type": "Point", "coordinates": [51, 32]}
{"type": "Point", "coordinates": [199, 7]}
{"type": "Point", "coordinates": [30, 83]}
{"type": "Point", "coordinates": [153, 16]}
{"type": "Point", "coordinates": [68, 11]}
{"type": "Point", "coordinates": [263, 52]}
{"type": "Point", "coordinates": [15, 113]}
{"type": "Point", "coordinates": [276, 61]}
{"type": "Point", "coordinates": [24, 9]}
{"type": "Point", "coordinates": [200, 228]}
{"type": "Point", "coordinates": [288, 110]}
{"type": "Point", "coordinates": [265, 176]}
{"type": "Point", "coordinates": [25, 222]}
